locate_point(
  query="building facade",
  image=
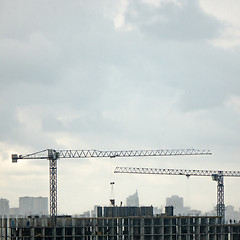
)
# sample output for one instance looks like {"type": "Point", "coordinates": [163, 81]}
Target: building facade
{"type": "Point", "coordinates": [124, 211]}
{"type": "Point", "coordinates": [117, 228]}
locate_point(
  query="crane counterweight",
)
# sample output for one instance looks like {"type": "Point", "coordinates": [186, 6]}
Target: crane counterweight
{"type": "Point", "coordinates": [14, 158]}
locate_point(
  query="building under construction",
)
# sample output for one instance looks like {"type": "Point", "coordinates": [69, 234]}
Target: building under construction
{"type": "Point", "coordinates": [142, 226]}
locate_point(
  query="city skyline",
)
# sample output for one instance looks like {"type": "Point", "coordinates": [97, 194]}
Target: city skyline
{"type": "Point", "coordinates": [27, 206]}
{"type": "Point", "coordinates": [180, 209]}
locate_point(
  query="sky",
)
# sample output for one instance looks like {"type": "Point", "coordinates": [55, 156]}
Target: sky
{"type": "Point", "coordinates": [119, 75]}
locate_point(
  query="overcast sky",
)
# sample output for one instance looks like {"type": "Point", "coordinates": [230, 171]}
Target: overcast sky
{"type": "Point", "coordinates": [119, 75]}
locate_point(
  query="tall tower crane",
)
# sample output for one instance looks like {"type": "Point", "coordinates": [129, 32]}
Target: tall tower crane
{"type": "Point", "coordinates": [53, 155]}
{"type": "Point", "coordinates": [216, 176]}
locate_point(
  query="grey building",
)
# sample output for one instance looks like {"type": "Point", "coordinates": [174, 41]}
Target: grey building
{"type": "Point", "coordinates": [119, 228]}
{"type": "Point", "coordinates": [33, 206]}
{"type": "Point", "coordinates": [133, 200]}
{"type": "Point", "coordinates": [14, 212]}
{"type": "Point", "coordinates": [177, 203]}
{"type": "Point", "coordinates": [124, 211]}
{"type": "Point", "coordinates": [4, 207]}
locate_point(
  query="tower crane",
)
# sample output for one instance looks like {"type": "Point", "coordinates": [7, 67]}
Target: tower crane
{"type": "Point", "coordinates": [53, 155]}
{"type": "Point", "coordinates": [216, 176]}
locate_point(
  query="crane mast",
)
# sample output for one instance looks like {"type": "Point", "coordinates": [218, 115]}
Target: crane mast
{"type": "Point", "coordinates": [53, 155]}
{"type": "Point", "coordinates": [216, 176]}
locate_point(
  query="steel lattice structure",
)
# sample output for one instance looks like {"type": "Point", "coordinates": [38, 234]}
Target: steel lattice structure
{"type": "Point", "coordinates": [216, 176]}
{"type": "Point", "coordinates": [44, 154]}
{"type": "Point", "coordinates": [53, 182]}
{"type": "Point", "coordinates": [53, 155]}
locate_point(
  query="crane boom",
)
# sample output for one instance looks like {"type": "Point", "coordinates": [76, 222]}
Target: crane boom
{"type": "Point", "coordinates": [186, 172]}
{"type": "Point", "coordinates": [53, 155]}
{"type": "Point", "coordinates": [216, 176]}
{"type": "Point", "coordinates": [44, 154]}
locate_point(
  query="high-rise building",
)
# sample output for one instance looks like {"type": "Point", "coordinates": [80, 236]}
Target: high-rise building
{"type": "Point", "coordinates": [4, 207]}
{"type": "Point", "coordinates": [33, 206]}
{"type": "Point", "coordinates": [133, 200]}
{"type": "Point", "coordinates": [94, 212]}
{"type": "Point", "coordinates": [14, 212]}
{"type": "Point", "coordinates": [231, 213]}
{"type": "Point", "coordinates": [177, 203]}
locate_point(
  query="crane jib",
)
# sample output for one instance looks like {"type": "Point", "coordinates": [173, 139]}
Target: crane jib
{"type": "Point", "coordinates": [216, 176]}
{"type": "Point", "coordinates": [53, 155]}
{"type": "Point", "coordinates": [49, 153]}
{"type": "Point", "coordinates": [186, 172]}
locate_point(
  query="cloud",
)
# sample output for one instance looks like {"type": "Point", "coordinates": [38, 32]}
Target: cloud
{"type": "Point", "coordinates": [227, 13]}
{"type": "Point", "coordinates": [186, 21]}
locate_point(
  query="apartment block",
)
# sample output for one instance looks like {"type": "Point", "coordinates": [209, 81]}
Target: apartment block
{"type": "Point", "coordinates": [4, 207]}
{"type": "Point", "coordinates": [33, 206]}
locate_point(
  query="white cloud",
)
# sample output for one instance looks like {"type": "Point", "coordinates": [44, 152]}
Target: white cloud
{"type": "Point", "coordinates": [172, 21]}
{"type": "Point", "coordinates": [159, 3]}
{"type": "Point", "coordinates": [119, 19]}
{"type": "Point", "coordinates": [230, 38]}
{"type": "Point", "coordinates": [234, 103]}
{"type": "Point", "coordinates": [228, 13]}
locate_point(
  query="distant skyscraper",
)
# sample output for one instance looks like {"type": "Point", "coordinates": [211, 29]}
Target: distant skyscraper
{"type": "Point", "coordinates": [4, 207]}
{"type": "Point", "coordinates": [33, 206]}
{"type": "Point", "coordinates": [14, 212]}
{"type": "Point", "coordinates": [177, 203]}
{"type": "Point", "coordinates": [133, 200]}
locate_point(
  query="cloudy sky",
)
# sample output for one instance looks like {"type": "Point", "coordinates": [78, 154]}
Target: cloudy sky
{"type": "Point", "coordinates": [119, 75]}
